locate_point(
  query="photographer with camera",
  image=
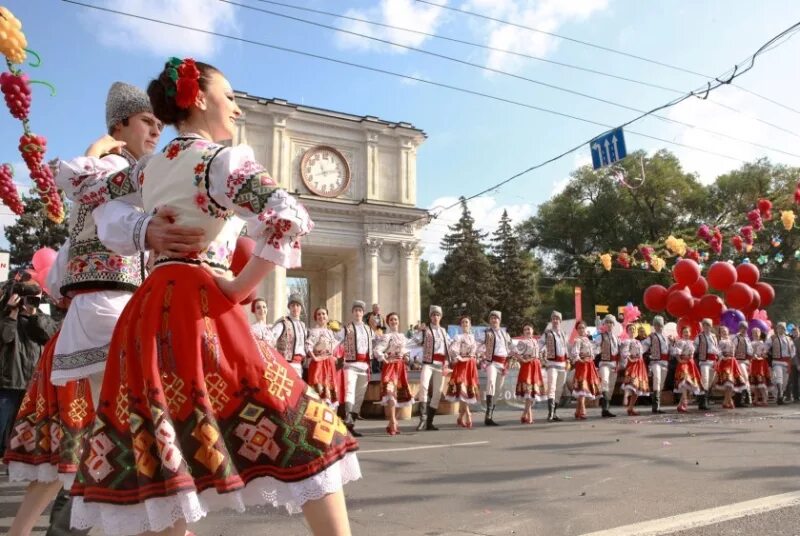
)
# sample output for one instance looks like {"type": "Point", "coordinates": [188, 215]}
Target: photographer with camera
{"type": "Point", "coordinates": [25, 329]}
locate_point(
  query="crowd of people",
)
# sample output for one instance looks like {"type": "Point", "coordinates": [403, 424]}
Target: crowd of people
{"type": "Point", "coordinates": [746, 367]}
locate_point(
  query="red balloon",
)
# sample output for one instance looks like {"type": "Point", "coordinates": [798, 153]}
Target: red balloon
{"type": "Point", "coordinates": [655, 298]}
{"type": "Point", "coordinates": [679, 303]}
{"type": "Point", "coordinates": [710, 306]}
{"type": "Point", "coordinates": [686, 272]}
{"type": "Point", "coordinates": [747, 273]}
{"type": "Point", "coordinates": [244, 250]}
{"type": "Point", "coordinates": [721, 275]}
{"type": "Point", "coordinates": [694, 326]}
{"type": "Point", "coordinates": [699, 288]}
{"type": "Point", "coordinates": [43, 259]}
{"type": "Point", "coordinates": [766, 293]}
{"type": "Point", "coordinates": [695, 313]}
{"type": "Point", "coordinates": [738, 296]}
{"type": "Point", "coordinates": [675, 286]}
{"type": "Point", "coordinates": [755, 301]}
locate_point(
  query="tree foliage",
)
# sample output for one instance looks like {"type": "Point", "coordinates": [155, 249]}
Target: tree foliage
{"type": "Point", "coordinates": [32, 231]}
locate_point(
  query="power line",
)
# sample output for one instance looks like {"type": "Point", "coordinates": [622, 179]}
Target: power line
{"type": "Point", "coordinates": [604, 48]}
{"type": "Point", "coordinates": [509, 74]}
{"type": "Point", "coordinates": [530, 57]}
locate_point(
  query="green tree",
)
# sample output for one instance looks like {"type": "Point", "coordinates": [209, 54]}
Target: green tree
{"type": "Point", "coordinates": [516, 281]}
{"type": "Point", "coordinates": [426, 290]}
{"type": "Point", "coordinates": [33, 230]}
{"type": "Point", "coordinates": [464, 282]}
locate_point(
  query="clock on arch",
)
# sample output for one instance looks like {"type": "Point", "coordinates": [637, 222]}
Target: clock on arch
{"type": "Point", "coordinates": [325, 171]}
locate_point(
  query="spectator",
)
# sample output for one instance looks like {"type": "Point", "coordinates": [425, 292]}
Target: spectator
{"type": "Point", "coordinates": [25, 329]}
{"type": "Point", "coordinates": [375, 320]}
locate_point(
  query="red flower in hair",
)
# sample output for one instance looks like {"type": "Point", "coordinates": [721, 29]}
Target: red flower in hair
{"type": "Point", "coordinates": [187, 86]}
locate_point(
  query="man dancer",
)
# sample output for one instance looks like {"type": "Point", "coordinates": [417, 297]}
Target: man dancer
{"type": "Point", "coordinates": [743, 352]}
{"type": "Point", "coordinates": [609, 363]}
{"type": "Point", "coordinates": [290, 335]}
{"type": "Point", "coordinates": [658, 347]}
{"type": "Point", "coordinates": [101, 276]}
{"type": "Point", "coordinates": [781, 352]}
{"type": "Point", "coordinates": [435, 351]}
{"type": "Point", "coordinates": [554, 345]}
{"type": "Point", "coordinates": [707, 353]}
{"type": "Point", "coordinates": [496, 350]}
{"type": "Point", "coordinates": [358, 338]}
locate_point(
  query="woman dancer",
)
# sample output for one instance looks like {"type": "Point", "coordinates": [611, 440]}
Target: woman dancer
{"type": "Point", "coordinates": [729, 376]}
{"type": "Point", "coordinates": [760, 373]}
{"type": "Point", "coordinates": [687, 373]}
{"type": "Point", "coordinates": [321, 349]}
{"type": "Point", "coordinates": [189, 420]}
{"type": "Point", "coordinates": [260, 329]}
{"type": "Point", "coordinates": [586, 383]}
{"type": "Point", "coordinates": [530, 385]}
{"type": "Point", "coordinates": [635, 382]}
{"type": "Point", "coordinates": [390, 350]}
{"type": "Point", "coordinates": [463, 384]}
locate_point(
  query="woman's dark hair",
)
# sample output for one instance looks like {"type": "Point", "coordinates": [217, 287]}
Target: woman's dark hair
{"type": "Point", "coordinates": [253, 304]}
{"type": "Point", "coordinates": [164, 106]}
{"type": "Point", "coordinates": [580, 324]}
{"type": "Point", "coordinates": [529, 325]}
{"type": "Point", "coordinates": [318, 309]}
{"type": "Point", "coordinates": [390, 315]}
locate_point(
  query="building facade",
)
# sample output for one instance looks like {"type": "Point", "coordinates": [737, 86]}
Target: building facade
{"type": "Point", "coordinates": [357, 176]}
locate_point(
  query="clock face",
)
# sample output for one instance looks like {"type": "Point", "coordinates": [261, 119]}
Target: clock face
{"type": "Point", "coordinates": [325, 171]}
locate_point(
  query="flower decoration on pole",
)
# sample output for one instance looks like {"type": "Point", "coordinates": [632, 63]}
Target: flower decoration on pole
{"type": "Point", "coordinates": [765, 208]}
{"type": "Point", "coordinates": [8, 191]}
{"type": "Point", "coordinates": [657, 263]}
{"type": "Point", "coordinates": [605, 260]}
{"type": "Point", "coordinates": [787, 219]}
{"type": "Point", "coordinates": [15, 86]}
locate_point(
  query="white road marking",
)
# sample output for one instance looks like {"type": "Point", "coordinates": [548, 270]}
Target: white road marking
{"type": "Point", "coordinates": [360, 452]}
{"type": "Point", "coordinates": [703, 518]}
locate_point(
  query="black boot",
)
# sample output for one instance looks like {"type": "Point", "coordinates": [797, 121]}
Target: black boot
{"type": "Point", "coordinates": [429, 420]}
{"type": "Point", "coordinates": [701, 402]}
{"type": "Point", "coordinates": [349, 421]}
{"type": "Point", "coordinates": [491, 415]}
{"type": "Point", "coordinates": [779, 396]}
{"type": "Point", "coordinates": [551, 409]}
{"type": "Point", "coordinates": [737, 400]}
{"type": "Point", "coordinates": [657, 402]}
{"type": "Point", "coordinates": [556, 418]}
{"type": "Point", "coordinates": [606, 401]}
{"type": "Point", "coordinates": [423, 414]}
{"type": "Point", "coordinates": [487, 420]}
{"type": "Point", "coordinates": [747, 399]}
{"type": "Point", "coordinates": [60, 516]}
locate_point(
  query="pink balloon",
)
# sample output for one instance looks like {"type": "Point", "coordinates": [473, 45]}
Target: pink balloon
{"type": "Point", "coordinates": [43, 259]}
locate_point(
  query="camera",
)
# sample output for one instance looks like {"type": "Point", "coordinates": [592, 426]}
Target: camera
{"type": "Point", "coordinates": [32, 301]}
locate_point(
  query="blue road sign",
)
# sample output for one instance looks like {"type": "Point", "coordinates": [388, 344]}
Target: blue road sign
{"type": "Point", "coordinates": [608, 148]}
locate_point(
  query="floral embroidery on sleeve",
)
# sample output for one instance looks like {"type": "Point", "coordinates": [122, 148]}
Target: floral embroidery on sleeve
{"type": "Point", "coordinates": [250, 186]}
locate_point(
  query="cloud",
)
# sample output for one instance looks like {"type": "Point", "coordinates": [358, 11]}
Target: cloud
{"type": "Point", "coordinates": [485, 210]}
{"type": "Point", "coordinates": [400, 13]}
{"type": "Point", "coordinates": [546, 15]}
{"type": "Point", "coordinates": [743, 126]}
{"type": "Point", "coordinates": [160, 40]}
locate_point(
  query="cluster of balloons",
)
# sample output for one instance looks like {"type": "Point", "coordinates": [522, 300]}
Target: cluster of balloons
{"type": "Point", "coordinates": [689, 299]}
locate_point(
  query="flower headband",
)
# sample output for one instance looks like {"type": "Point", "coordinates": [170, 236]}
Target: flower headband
{"type": "Point", "coordinates": [185, 75]}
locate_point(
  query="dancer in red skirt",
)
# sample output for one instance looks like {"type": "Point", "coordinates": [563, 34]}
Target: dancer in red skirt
{"type": "Point", "coordinates": [687, 373]}
{"type": "Point", "coordinates": [194, 417]}
{"type": "Point", "coordinates": [760, 373]}
{"type": "Point", "coordinates": [321, 349]}
{"type": "Point", "coordinates": [530, 384]}
{"type": "Point", "coordinates": [390, 349]}
{"type": "Point", "coordinates": [463, 385]}
{"type": "Point", "coordinates": [586, 383]}
{"type": "Point", "coordinates": [635, 382]}
{"type": "Point", "coordinates": [729, 377]}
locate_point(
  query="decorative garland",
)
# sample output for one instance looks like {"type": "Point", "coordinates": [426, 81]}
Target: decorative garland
{"type": "Point", "coordinates": [15, 86]}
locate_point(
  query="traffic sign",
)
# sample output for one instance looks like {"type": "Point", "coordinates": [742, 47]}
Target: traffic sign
{"type": "Point", "coordinates": [608, 148]}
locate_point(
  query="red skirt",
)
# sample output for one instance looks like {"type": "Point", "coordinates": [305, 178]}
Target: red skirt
{"type": "Point", "coordinates": [687, 377]}
{"type": "Point", "coordinates": [636, 380]}
{"type": "Point", "coordinates": [586, 382]}
{"type": "Point", "coordinates": [322, 377]}
{"type": "Point", "coordinates": [394, 385]}
{"type": "Point", "coordinates": [47, 437]}
{"type": "Point", "coordinates": [730, 375]}
{"type": "Point", "coordinates": [463, 384]}
{"type": "Point", "coordinates": [760, 373]}
{"type": "Point", "coordinates": [530, 384]}
{"type": "Point", "coordinates": [194, 412]}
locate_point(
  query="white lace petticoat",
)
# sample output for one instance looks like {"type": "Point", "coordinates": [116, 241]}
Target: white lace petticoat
{"type": "Point", "coordinates": [160, 513]}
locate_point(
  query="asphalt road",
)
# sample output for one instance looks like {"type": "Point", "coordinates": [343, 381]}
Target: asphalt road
{"type": "Point", "coordinates": [570, 478]}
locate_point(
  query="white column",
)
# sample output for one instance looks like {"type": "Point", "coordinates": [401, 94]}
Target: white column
{"type": "Point", "coordinates": [371, 250]}
{"type": "Point", "coordinates": [335, 290]}
{"type": "Point", "coordinates": [281, 166]}
{"type": "Point", "coordinates": [373, 165]}
{"type": "Point", "coordinates": [407, 283]}
{"type": "Point", "coordinates": [275, 286]}
{"type": "Point", "coordinates": [408, 171]}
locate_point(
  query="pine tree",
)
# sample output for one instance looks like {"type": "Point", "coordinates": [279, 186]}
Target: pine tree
{"type": "Point", "coordinates": [465, 280]}
{"type": "Point", "coordinates": [33, 230]}
{"type": "Point", "coordinates": [515, 291]}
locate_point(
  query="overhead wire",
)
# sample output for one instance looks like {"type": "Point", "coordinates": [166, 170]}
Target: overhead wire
{"type": "Point", "coordinates": [508, 74]}
{"type": "Point", "coordinates": [604, 48]}
{"type": "Point", "coordinates": [527, 56]}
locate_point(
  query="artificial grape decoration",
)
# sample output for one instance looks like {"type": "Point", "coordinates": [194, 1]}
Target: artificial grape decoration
{"type": "Point", "coordinates": [32, 148]}
{"type": "Point", "coordinates": [12, 40]}
{"type": "Point", "coordinates": [17, 92]}
{"type": "Point", "coordinates": [8, 191]}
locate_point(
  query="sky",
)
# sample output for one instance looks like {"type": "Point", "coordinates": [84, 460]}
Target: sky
{"type": "Point", "coordinates": [472, 142]}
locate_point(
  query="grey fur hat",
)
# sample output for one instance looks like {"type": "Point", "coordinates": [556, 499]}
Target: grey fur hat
{"type": "Point", "coordinates": [123, 101]}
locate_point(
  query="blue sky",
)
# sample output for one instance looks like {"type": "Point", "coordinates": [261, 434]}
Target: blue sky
{"type": "Point", "coordinates": [472, 142]}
